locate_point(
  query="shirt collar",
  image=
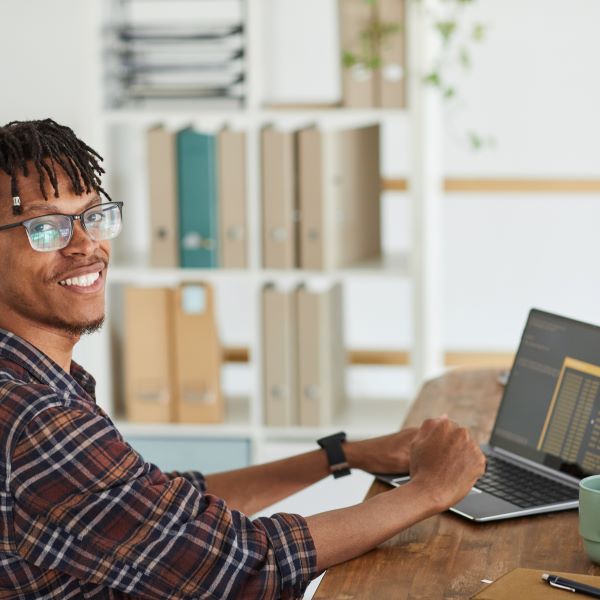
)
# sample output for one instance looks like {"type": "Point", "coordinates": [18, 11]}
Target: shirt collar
{"type": "Point", "coordinates": [43, 368]}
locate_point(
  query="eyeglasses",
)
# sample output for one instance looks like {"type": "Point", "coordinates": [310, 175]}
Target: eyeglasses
{"type": "Point", "coordinates": [54, 232]}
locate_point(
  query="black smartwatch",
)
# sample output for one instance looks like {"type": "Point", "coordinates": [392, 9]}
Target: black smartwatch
{"type": "Point", "coordinates": [332, 444]}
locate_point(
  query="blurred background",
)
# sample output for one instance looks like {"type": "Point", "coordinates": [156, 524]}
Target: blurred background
{"type": "Point", "coordinates": [486, 166]}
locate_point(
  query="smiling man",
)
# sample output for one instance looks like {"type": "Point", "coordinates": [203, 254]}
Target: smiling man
{"type": "Point", "coordinates": [82, 515]}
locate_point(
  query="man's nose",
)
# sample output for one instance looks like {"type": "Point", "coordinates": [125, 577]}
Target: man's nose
{"type": "Point", "coordinates": [81, 242]}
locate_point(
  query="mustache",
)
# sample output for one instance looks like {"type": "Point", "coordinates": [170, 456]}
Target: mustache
{"type": "Point", "coordinates": [74, 265]}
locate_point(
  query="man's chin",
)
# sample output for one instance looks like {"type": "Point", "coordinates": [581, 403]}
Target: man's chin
{"type": "Point", "coordinates": [75, 329]}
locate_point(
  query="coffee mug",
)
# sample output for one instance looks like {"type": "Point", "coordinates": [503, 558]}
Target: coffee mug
{"type": "Point", "coordinates": [589, 516]}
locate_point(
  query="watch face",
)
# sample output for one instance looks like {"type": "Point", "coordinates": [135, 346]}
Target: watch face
{"type": "Point", "coordinates": [336, 437]}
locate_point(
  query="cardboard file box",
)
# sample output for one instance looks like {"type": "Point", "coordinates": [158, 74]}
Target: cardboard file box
{"type": "Point", "coordinates": [198, 356]}
{"type": "Point", "coordinates": [149, 347]}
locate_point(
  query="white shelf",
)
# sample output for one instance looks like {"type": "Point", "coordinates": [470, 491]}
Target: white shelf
{"type": "Point", "coordinates": [392, 265]}
{"type": "Point", "coordinates": [332, 117]}
{"type": "Point", "coordinates": [361, 419]}
{"type": "Point", "coordinates": [236, 424]}
{"type": "Point", "coordinates": [160, 277]}
{"type": "Point", "coordinates": [147, 116]}
{"type": "Point", "coordinates": [420, 266]}
{"type": "Point", "coordinates": [220, 430]}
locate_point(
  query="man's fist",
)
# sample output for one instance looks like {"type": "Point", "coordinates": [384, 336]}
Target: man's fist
{"type": "Point", "coordinates": [445, 461]}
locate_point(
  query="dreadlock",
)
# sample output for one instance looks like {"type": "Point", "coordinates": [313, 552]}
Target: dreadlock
{"type": "Point", "coordinates": [48, 144]}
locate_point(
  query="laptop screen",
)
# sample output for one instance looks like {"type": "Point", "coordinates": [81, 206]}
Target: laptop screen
{"type": "Point", "coordinates": [550, 412]}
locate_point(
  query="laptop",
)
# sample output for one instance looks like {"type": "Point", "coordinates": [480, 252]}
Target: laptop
{"type": "Point", "coordinates": [546, 436]}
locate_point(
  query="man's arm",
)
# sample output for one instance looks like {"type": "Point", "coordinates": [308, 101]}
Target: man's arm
{"type": "Point", "coordinates": [87, 506]}
{"type": "Point", "coordinates": [445, 462]}
{"type": "Point", "coordinates": [253, 488]}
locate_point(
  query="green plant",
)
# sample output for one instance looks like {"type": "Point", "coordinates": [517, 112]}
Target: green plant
{"type": "Point", "coordinates": [457, 42]}
{"type": "Point", "coordinates": [458, 37]}
{"type": "Point", "coordinates": [372, 40]}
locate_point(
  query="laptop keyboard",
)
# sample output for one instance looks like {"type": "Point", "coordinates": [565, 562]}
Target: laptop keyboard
{"type": "Point", "coordinates": [522, 487]}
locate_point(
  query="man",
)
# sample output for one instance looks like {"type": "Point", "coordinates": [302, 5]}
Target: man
{"type": "Point", "coordinates": [81, 514]}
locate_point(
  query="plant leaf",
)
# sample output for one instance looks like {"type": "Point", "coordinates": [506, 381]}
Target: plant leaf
{"type": "Point", "coordinates": [433, 79]}
{"type": "Point", "coordinates": [476, 140]}
{"type": "Point", "coordinates": [449, 92]}
{"type": "Point", "coordinates": [374, 62]}
{"type": "Point", "coordinates": [446, 29]}
{"type": "Point", "coordinates": [349, 59]}
{"type": "Point", "coordinates": [478, 32]}
{"type": "Point", "coordinates": [464, 57]}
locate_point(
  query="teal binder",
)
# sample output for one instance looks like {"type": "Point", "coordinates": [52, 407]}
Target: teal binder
{"type": "Point", "coordinates": [198, 219]}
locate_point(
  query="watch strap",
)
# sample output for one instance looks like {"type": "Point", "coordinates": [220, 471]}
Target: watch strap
{"type": "Point", "coordinates": [332, 444]}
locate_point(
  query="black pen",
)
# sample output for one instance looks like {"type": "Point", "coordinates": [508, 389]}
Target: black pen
{"type": "Point", "coordinates": [571, 586]}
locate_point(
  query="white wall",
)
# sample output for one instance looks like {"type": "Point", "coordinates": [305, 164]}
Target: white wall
{"type": "Point", "coordinates": [46, 53]}
{"type": "Point", "coordinates": [534, 87]}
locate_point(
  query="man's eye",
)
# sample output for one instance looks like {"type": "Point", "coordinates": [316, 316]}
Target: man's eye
{"type": "Point", "coordinates": [95, 217]}
{"type": "Point", "coordinates": [43, 227]}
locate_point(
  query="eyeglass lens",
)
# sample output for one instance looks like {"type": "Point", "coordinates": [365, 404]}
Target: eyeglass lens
{"type": "Point", "coordinates": [54, 232]}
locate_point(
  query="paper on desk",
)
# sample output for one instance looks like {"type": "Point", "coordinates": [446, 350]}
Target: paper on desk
{"type": "Point", "coordinates": [527, 583]}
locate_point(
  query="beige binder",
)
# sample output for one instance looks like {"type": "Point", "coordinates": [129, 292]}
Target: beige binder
{"type": "Point", "coordinates": [279, 198]}
{"type": "Point", "coordinates": [149, 385]}
{"type": "Point", "coordinates": [232, 199]}
{"type": "Point", "coordinates": [321, 355]}
{"type": "Point", "coordinates": [356, 165]}
{"type": "Point", "coordinates": [279, 357]}
{"type": "Point", "coordinates": [198, 356]}
{"type": "Point", "coordinates": [312, 204]}
{"type": "Point", "coordinates": [162, 185]}
{"type": "Point", "coordinates": [339, 191]}
{"type": "Point", "coordinates": [358, 82]}
{"type": "Point", "coordinates": [392, 75]}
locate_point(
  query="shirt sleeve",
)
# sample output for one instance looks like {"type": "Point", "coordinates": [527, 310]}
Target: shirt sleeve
{"type": "Point", "coordinates": [194, 477]}
{"type": "Point", "coordinates": [87, 505]}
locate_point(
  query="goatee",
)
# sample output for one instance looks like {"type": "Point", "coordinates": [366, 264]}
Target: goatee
{"type": "Point", "coordinates": [78, 329]}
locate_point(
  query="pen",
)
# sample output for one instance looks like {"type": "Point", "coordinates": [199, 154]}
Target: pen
{"type": "Point", "coordinates": [571, 586]}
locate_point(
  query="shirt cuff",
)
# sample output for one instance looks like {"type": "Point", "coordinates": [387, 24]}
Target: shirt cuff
{"type": "Point", "coordinates": [294, 550]}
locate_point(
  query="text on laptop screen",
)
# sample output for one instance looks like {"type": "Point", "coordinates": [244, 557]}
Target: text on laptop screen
{"type": "Point", "coordinates": [550, 412]}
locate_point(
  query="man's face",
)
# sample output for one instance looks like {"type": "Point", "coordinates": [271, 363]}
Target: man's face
{"type": "Point", "coordinates": [33, 284]}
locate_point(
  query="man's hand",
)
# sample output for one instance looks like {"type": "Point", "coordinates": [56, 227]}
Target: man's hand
{"type": "Point", "coordinates": [385, 454]}
{"type": "Point", "coordinates": [445, 462]}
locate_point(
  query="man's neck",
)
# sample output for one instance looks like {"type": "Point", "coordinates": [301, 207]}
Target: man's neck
{"type": "Point", "coordinates": [56, 344]}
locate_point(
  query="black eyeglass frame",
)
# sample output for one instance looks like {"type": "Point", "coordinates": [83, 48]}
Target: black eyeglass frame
{"type": "Point", "coordinates": [72, 219]}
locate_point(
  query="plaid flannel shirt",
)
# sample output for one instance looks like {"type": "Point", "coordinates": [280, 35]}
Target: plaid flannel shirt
{"type": "Point", "coordinates": [82, 515]}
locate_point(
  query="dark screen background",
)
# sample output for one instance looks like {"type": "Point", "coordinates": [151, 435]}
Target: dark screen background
{"type": "Point", "coordinates": [546, 341]}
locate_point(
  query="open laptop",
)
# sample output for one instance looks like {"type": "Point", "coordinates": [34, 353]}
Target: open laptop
{"type": "Point", "coordinates": [547, 431]}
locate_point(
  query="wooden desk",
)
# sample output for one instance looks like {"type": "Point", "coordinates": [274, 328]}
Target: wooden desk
{"type": "Point", "coordinates": [447, 556]}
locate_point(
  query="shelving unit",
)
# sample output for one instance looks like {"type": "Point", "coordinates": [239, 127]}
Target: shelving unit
{"type": "Point", "coordinates": [127, 177]}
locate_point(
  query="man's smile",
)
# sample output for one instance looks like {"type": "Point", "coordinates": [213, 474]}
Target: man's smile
{"type": "Point", "coordinates": [88, 279]}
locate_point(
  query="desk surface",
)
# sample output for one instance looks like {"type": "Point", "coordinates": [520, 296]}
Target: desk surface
{"type": "Point", "coordinates": [447, 556]}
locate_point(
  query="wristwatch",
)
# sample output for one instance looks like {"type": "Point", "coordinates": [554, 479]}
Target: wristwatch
{"type": "Point", "coordinates": [332, 444]}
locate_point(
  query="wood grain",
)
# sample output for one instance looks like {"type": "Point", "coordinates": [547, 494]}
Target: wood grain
{"type": "Point", "coordinates": [446, 557]}
{"type": "Point", "coordinates": [505, 185]}
{"type": "Point", "coordinates": [239, 354]}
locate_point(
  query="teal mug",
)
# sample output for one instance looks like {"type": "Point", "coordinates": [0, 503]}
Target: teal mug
{"type": "Point", "coordinates": [589, 516]}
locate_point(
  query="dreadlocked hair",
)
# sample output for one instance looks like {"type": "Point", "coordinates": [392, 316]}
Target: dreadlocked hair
{"type": "Point", "coordinates": [48, 144]}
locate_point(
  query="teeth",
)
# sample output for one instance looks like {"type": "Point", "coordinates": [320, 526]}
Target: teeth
{"type": "Point", "coordinates": [83, 281]}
